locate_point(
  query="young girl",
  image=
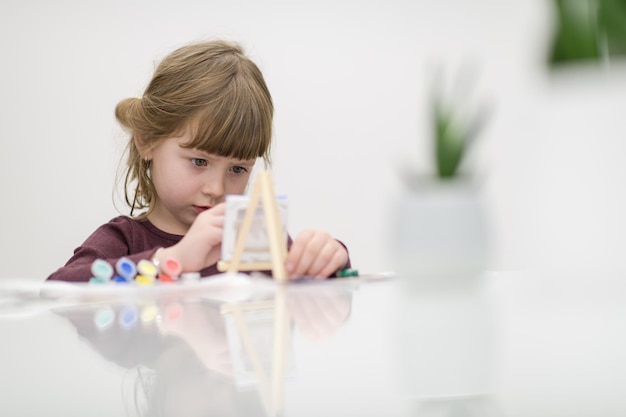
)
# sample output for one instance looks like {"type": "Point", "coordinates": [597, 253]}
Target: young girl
{"type": "Point", "coordinates": [195, 135]}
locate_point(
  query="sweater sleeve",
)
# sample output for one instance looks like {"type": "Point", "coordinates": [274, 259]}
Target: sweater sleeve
{"type": "Point", "coordinates": [110, 242]}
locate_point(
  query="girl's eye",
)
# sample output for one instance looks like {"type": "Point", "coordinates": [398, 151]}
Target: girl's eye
{"type": "Point", "coordinates": [199, 162]}
{"type": "Point", "coordinates": [239, 170]}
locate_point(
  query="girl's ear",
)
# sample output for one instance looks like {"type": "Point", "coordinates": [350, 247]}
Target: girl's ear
{"type": "Point", "coordinates": [141, 142]}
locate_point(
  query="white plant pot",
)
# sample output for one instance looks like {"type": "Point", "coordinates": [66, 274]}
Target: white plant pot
{"type": "Point", "coordinates": [438, 234]}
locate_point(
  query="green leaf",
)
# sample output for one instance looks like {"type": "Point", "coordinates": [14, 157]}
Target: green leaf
{"type": "Point", "coordinates": [576, 37]}
{"type": "Point", "coordinates": [449, 146]}
{"type": "Point", "coordinates": [612, 26]}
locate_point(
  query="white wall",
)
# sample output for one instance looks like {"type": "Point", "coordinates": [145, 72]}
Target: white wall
{"type": "Point", "coordinates": [349, 81]}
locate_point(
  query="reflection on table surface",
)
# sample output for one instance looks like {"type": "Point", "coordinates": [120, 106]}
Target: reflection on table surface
{"type": "Point", "coordinates": [505, 344]}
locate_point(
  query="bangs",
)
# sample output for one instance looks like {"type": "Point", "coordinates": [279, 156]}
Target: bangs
{"type": "Point", "coordinates": [236, 125]}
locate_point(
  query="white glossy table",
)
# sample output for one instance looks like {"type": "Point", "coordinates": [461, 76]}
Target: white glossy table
{"type": "Point", "coordinates": [511, 344]}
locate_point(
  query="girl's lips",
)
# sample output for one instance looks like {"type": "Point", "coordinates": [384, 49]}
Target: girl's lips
{"type": "Point", "coordinates": [200, 209]}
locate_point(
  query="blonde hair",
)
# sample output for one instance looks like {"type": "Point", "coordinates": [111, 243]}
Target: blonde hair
{"type": "Point", "coordinates": [211, 88]}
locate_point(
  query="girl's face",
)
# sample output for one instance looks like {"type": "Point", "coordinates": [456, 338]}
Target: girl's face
{"type": "Point", "coordinates": [189, 181]}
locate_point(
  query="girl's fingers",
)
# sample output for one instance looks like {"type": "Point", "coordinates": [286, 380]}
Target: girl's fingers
{"type": "Point", "coordinates": [315, 253]}
{"type": "Point", "coordinates": [334, 257]}
{"type": "Point", "coordinates": [297, 251]}
{"type": "Point", "coordinates": [219, 208]}
{"type": "Point", "coordinates": [323, 260]}
{"type": "Point", "coordinates": [300, 267]}
{"type": "Point", "coordinates": [338, 261]}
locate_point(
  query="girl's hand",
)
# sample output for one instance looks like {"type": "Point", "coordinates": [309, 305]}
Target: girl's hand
{"type": "Point", "coordinates": [315, 253]}
{"type": "Point", "coordinates": [202, 244]}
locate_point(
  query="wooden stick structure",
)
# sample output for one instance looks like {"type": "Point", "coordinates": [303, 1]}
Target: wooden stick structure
{"type": "Point", "coordinates": [263, 190]}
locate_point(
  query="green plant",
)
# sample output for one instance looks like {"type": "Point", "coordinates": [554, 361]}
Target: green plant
{"type": "Point", "coordinates": [588, 30]}
{"type": "Point", "coordinates": [456, 125]}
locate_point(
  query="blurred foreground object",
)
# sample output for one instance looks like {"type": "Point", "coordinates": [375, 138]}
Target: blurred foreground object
{"type": "Point", "coordinates": [588, 31]}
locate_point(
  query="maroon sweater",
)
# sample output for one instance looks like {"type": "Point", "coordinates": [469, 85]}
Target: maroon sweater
{"type": "Point", "coordinates": [122, 236]}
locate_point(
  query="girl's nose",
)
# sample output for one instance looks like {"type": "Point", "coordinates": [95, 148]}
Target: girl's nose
{"type": "Point", "coordinates": [214, 185]}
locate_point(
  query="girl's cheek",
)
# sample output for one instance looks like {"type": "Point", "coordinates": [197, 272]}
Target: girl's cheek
{"type": "Point", "coordinates": [238, 186]}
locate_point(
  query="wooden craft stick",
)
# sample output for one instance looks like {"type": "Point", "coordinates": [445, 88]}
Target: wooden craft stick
{"type": "Point", "coordinates": [274, 230]}
{"type": "Point", "coordinates": [245, 266]}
